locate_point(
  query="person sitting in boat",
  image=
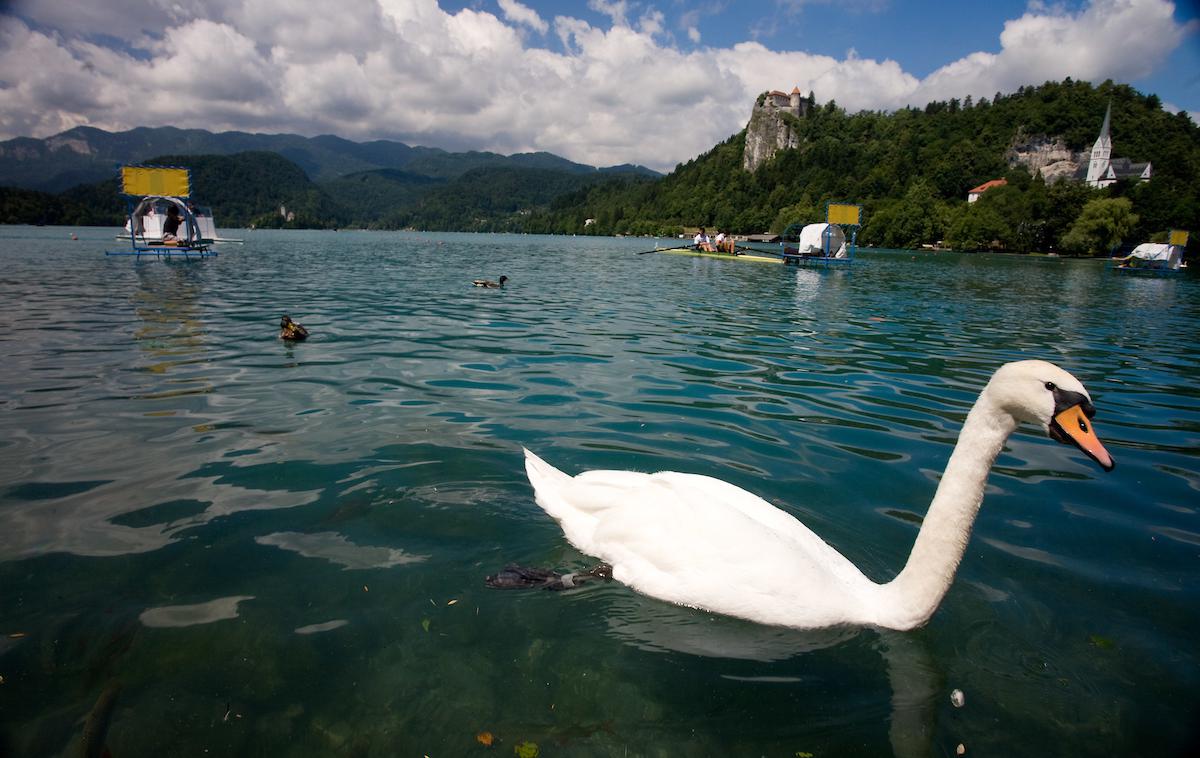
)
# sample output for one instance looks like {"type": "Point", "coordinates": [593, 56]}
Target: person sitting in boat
{"type": "Point", "coordinates": [702, 242]}
{"type": "Point", "coordinates": [725, 243]}
{"type": "Point", "coordinates": [171, 226]}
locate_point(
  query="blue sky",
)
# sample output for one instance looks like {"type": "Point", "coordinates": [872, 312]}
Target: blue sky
{"type": "Point", "coordinates": [921, 35]}
{"type": "Point", "coordinates": [591, 80]}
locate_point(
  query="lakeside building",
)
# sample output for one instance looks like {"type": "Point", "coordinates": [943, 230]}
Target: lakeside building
{"type": "Point", "coordinates": [976, 193]}
{"type": "Point", "coordinates": [1103, 170]}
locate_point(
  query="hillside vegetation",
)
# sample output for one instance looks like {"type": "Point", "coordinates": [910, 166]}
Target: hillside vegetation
{"type": "Point", "coordinates": [86, 155]}
{"type": "Point", "coordinates": [911, 170]}
{"type": "Point", "coordinates": [243, 190]}
{"type": "Point", "coordinates": [266, 190]}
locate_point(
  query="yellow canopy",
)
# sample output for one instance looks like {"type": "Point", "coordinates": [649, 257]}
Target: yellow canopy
{"type": "Point", "coordinates": [840, 213]}
{"type": "Point", "coordinates": [153, 180]}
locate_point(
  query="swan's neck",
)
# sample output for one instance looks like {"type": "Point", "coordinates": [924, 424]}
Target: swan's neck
{"type": "Point", "coordinates": [913, 596]}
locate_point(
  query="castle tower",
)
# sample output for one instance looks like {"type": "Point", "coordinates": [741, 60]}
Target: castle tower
{"type": "Point", "coordinates": [1101, 153]}
{"type": "Point", "coordinates": [795, 101]}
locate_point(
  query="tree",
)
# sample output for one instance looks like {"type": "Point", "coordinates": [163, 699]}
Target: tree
{"type": "Point", "coordinates": [974, 227]}
{"type": "Point", "coordinates": [1102, 225]}
{"type": "Point", "coordinates": [917, 219]}
{"type": "Point", "coordinates": [803, 212]}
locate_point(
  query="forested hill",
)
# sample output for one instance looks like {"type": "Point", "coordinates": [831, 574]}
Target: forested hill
{"type": "Point", "coordinates": [911, 171]}
{"type": "Point", "coordinates": [244, 189]}
{"type": "Point", "coordinates": [85, 155]}
{"type": "Point", "coordinates": [264, 189]}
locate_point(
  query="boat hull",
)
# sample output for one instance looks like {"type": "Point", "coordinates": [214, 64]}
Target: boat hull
{"type": "Point", "coordinates": [726, 256]}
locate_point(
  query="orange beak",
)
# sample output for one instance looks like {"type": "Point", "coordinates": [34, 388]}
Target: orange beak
{"type": "Point", "coordinates": [1073, 425]}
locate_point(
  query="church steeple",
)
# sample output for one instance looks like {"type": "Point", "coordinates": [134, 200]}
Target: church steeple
{"type": "Point", "coordinates": [1101, 152]}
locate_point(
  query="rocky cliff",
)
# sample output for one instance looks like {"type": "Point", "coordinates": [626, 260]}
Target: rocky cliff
{"type": "Point", "coordinates": [769, 131]}
{"type": "Point", "coordinates": [1049, 155]}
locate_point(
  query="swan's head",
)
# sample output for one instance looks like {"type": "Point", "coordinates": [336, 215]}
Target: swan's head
{"type": "Point", "coordinates": [1042, 393]}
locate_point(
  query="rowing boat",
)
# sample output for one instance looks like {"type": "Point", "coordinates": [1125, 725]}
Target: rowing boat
{"type": "Point", "coordinates": [765, 258]}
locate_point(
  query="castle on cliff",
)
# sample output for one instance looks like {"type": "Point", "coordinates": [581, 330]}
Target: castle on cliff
{"type": "Point", "coordinates": [768, 131]}
{"type": "Point", "coordinates": [795, 103]}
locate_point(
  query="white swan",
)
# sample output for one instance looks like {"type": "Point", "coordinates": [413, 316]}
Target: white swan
{"type": "Point", "coordinates": [701, 542]}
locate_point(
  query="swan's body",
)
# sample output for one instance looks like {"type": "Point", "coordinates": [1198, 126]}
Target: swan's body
{"type": "Point", "coordinates": [701, 542]}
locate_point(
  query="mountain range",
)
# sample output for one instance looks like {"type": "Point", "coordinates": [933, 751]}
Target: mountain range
{"type": "Point", "coordinates": [86, 155]}
{"type": "Point", "coordinates": [290, 180]}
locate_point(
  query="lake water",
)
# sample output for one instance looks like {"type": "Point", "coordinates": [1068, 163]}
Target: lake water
{"type": "Point", "coordinates": [216, 543]}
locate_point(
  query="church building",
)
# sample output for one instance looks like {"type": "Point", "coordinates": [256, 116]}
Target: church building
{"type": "Point", "coordinates": [1103, 170]}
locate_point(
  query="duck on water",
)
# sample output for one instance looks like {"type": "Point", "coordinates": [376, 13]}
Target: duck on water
{"type": "Point", "coordinates": [291, 331]}
{"type": "Point", "coordinates": [698, 541]}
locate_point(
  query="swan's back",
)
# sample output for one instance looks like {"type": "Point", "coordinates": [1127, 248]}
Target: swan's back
{"type": "Point", "coordinates": [698, 541]}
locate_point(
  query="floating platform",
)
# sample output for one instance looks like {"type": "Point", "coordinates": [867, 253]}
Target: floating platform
{"type": "Point", "coordinates": [166, 251]}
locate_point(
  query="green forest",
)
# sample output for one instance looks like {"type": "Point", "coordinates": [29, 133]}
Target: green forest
{"type": "Point", "coordinates": [265, 190]}
{"type": "Point", "coordinates": [246, 189]}
{"type": "Point", "coordinates": [909, 169]}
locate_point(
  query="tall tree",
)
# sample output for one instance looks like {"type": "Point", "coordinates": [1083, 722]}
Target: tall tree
{"type": "Point", "coordinates": [1103, 225]}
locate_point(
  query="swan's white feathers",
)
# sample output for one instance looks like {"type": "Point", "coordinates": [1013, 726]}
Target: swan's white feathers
{"type": "Point", "coordinates": [697, 541]}
{"type": "Point", "coordinates": [1016, 388]}
{"type": "Point", "coordinates": [626, 518]}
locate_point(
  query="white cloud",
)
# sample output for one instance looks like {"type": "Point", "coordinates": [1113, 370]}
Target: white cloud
{"type": "Point", "coordinates": [614, 9]}
{"type": "Point", "coordinates": [410, 71]}
{"type": "Point", "coordinates": [651, 22]}
{"type": "Point", "coordinates": [307, 31]}
{"type": "Point", "coordinates": [523, 14]}
{"type": "Point", "coordinates": [1109, 39]}
{"type": "Point", "coordinates": [855, 83]}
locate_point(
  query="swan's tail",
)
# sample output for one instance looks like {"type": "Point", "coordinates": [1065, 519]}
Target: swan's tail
{"type": "Point", "coordinates": [542, 475]}
{"type": "Point", "coordinates": [549, 489]}
{"type": "Point", "coordinates": [566, 501]}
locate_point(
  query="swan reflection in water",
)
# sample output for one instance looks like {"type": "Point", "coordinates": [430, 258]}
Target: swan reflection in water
{"type": "Point", "coordinates": [911, 669]}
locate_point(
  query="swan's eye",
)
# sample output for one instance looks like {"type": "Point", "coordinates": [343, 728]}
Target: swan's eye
{"type": "Point", "coordinates": [1082, 426]}
{"type": "Point", "coordinates": [1051, 386]}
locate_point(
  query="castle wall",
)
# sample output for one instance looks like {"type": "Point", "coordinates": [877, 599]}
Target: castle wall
{"type": "Point", "coordinates": [768, 133]}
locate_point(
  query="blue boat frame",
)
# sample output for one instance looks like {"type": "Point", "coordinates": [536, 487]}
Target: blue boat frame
{"type": "Point", "coordinates": [825, 260]}
{"type": "Point", "coordinates": [189, 250]}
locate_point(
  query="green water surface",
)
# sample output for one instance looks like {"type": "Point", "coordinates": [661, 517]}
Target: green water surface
{"type": "Point", "coordinates": [216, 543]}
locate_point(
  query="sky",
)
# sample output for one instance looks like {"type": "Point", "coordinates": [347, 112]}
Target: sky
{"type": "Point", "coordinates": [601, 82]}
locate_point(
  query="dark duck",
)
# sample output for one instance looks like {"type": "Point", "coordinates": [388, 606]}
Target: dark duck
{"type": "Point", "coordinates": [291, 331]}
{"type": "Point", "coordinates": [514, 577]}
{"type": "Point", "coordinates": [489, 283]}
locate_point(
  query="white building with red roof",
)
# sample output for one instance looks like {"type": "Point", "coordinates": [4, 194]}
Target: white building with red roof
{"type": "Point", "coordinates": [976, 193]}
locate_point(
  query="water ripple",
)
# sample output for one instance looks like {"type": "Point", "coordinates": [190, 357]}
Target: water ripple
{"type": "Point", "coordinates": [162, 447]}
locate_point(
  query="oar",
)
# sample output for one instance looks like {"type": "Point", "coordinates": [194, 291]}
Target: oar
{"type": "Point", "coordinates": [660, 249]}
{"type": "Point", "coordinates": [755, 250]}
